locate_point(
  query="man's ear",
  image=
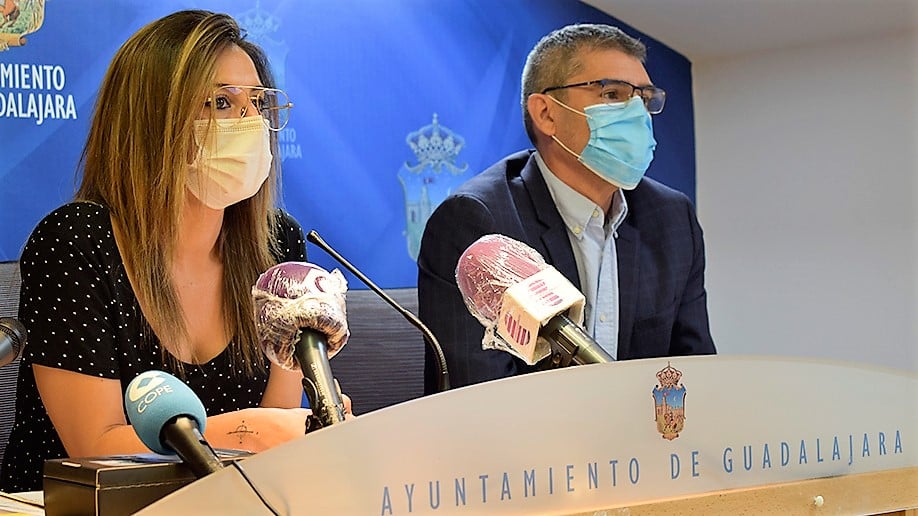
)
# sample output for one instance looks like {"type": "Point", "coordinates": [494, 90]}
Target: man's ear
{"type": "Point", "coordinates": [540, 111]}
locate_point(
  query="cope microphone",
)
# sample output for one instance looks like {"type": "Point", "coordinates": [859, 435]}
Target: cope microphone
{"type": "Point", "coordinates": [301, 322]}
{"type": "Point", "coordinates": [525, 305]}
{"type": "Point", "coordinates": [169, 419]}
{"type": "Point", "coordinates": [12, 339]}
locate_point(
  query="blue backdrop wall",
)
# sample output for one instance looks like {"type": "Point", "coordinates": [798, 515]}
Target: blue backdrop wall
{"type": "Point", "coordinates": [396, 103]}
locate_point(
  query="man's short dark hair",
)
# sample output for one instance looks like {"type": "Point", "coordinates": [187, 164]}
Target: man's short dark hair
{"type": "Point", "coordinates": [555, 58]}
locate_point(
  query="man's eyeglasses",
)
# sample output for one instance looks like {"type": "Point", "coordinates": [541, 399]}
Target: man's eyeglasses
{"type": "Point", "coordinates": [233, 101]}
{"type": "Point", "coordinates": [613, 90]}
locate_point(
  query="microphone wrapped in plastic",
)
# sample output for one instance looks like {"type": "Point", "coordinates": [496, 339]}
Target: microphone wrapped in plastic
{"type": "Point", "coordinates": [527, 307]}
{"type": "Point", "coordinates": [301, 320]}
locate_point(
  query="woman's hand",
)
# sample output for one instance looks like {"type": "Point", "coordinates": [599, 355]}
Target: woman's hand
{"type": "Point", "coordinates": [348, 408]}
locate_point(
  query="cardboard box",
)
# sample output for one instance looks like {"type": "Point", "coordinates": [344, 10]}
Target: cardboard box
{"type": "Point", "coordinates": [121, 484]}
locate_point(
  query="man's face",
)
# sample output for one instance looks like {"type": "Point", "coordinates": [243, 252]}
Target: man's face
{"type": "Point", "coordinates": [572, 128]}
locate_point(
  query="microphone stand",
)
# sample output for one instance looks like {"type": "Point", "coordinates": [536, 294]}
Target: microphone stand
{"type": "Point", "coordinates": [429, 338]}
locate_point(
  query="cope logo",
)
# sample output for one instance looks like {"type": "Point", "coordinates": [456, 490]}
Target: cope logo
{"type": "Point", "coordinates": [146, 388]}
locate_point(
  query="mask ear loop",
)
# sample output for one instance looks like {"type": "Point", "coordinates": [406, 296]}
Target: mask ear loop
{"type": "Point", "coordinates": [555, 138]}
{"type": "Point", "coordinates": [565, 147]}
{"type": "Point", "coordinates": [565, 106]}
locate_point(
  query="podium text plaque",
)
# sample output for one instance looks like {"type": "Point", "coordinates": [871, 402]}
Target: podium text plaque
{"type": "Point", "coordinates": [587, 438]}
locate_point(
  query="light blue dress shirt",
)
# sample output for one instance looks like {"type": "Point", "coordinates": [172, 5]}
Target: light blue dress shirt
{"type": "Point", "coordinates": [592, 237]}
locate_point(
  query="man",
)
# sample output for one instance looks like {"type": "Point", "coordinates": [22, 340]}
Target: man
{"type": "Point", "coordinates": [632, 245]}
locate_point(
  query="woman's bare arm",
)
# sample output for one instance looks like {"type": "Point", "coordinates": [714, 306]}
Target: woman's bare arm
{"type": "Point", "coordinates": [88, 414]}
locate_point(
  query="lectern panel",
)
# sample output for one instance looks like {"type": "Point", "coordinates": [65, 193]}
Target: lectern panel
{"type": "Point", "coordinates": [585, 438]}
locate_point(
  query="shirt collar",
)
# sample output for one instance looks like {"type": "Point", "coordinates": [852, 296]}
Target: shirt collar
{"type": "Point", "coordinates": [575, 209]}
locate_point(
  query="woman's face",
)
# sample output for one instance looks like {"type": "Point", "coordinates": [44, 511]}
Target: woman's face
{"type": "Point", "coordinates": [232, 158]}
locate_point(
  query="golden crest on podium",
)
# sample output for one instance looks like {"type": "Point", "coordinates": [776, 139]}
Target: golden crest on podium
{"type": "Point", "coordinates": [669, 402]}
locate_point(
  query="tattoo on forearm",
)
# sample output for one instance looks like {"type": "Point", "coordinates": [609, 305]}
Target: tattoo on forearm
{"type": "Point", "coordinates": [242, 431]}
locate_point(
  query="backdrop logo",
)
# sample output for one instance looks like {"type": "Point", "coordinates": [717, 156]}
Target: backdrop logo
{"type": "Point", "coordinates": [669, 402]}
{"type": "Point", "coordinates": [428, 181]}
{"type": "Point", "coordinates": [261, 28]}
{"type": "Point", "coordinates": [34, 91]}
{"type": "Point", "coordinates": [17, 19]}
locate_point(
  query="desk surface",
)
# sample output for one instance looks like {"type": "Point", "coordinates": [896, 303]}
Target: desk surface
{"type": "Point", "coordinates": [31, 502]}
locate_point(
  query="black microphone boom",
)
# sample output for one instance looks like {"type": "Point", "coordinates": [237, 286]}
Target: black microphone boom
{"type": "Point", "coordinates": [429, 338]}
{"type": "Point", "coordinates": [12, 339]}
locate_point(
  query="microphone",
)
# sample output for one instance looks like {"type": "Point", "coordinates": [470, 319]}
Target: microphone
{"type": "Point", "coordinates": [301, 322]}
{"type": "Point", "coordinates": [12, 339]}
{"type": "Point", "coordinates": [528, 308]}
{"type": "Point", "coordinates": [169, 419]}
{"type": "Point", "coordinates": [429, 338]}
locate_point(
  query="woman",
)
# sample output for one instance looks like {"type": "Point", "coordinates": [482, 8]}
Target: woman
{"type": "Point", "coordinates": [151, 267]}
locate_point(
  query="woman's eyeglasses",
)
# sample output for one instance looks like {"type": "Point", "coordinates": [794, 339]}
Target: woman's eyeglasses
{"type": "Point", "coordinates": [234, 101]}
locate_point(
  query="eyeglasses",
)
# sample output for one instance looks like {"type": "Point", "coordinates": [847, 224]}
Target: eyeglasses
{"type": "Point", "coordinates": [613, 90]}
{"type": "Point", "coordinates": [233, 101]}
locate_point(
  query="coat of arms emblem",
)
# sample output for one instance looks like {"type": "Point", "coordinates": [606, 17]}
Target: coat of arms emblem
{"type": "Point", "coordinates": [19, 18]}
{"type": "Point", "coordinates": [427, 182]}
{"type": "Point", "coordinates": [669, 402]}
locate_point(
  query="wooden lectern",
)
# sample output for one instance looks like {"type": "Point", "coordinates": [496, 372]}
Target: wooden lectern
{"type": "Point", "coordinates": [684, 435]}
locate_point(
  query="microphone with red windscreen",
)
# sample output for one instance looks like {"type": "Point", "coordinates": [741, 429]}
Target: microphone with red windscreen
{"type": "Point", "coordinates": [301, 321]}
{"type": "Point", "coordinates": [527, 307]}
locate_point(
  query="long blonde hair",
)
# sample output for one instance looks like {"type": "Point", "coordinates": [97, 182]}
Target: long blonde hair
{"type": "Point", "coordinates": [135, 162]}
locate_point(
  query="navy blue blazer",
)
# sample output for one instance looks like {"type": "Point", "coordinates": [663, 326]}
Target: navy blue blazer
{"type": "Point", "coordinates": [662, 304]}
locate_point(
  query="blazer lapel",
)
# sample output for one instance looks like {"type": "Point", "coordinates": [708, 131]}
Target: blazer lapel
{"type": "Point", "coordinates": [551, 230]}
{"type": "Point", "coordinates": [626, 250]}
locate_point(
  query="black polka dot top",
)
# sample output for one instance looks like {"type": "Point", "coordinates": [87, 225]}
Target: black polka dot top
{"type": "Point", "coordinates": [81, 315]}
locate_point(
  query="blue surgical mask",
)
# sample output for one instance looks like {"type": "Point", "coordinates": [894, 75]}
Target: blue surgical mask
{"type": "Point", "coordinates": [621, 141]}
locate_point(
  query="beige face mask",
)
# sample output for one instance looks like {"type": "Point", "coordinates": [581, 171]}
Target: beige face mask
{"type": "Point", "coordinates": [234, 162]}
